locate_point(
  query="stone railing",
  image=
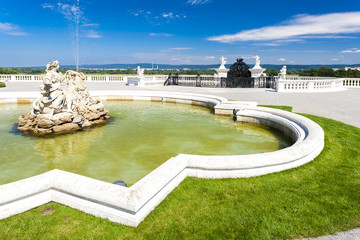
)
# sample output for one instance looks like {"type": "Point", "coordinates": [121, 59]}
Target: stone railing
{"type": "Point", "coordinates": [21, 78]}
{"type": "Point", "coordinates": [310, 84]}
{"type": "Point", "coordinates": [89, 78]}
{"type": "Point", "coordinates": [146, 80]}
{"type": "Point", "coordinates": [351, 82]}
{"type": "Point", "coordinates": [193, 80]}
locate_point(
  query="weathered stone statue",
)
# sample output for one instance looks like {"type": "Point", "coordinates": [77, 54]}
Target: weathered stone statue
{"type": "Point", "coordinates": [53, 97]}
{"type": "Point", "coordinates": [282, 74]}
{"type": "Point", "coordinates": [140, 72]}
{"type": "Point", "coordinates": [223, 62]}
{"type": "Point", "coordinates": [60, 110]}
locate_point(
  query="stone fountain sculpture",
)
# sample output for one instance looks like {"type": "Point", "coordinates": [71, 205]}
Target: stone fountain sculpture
{"type": "Point", "coordinates": [58, 110]}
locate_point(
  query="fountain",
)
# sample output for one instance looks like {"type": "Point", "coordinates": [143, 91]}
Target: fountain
{"type": "Point", "coordinates": [60, 111]}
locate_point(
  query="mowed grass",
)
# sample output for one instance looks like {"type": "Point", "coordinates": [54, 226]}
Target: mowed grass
{"type": "Point", "coordinates": [285, 108]}
{"type": "Point", "coordinates": [319, 198]}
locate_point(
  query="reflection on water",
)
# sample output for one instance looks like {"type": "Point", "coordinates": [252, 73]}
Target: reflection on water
{"type": "Point", "coordinates": [67, 151]}
{"type": "Point", "coordinates": [141, 136]}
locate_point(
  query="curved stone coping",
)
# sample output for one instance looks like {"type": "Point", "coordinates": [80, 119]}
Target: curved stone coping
{"type": "Point", "coordinates": [131, 205]}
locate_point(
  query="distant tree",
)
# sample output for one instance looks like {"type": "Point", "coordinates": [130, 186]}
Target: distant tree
{"type": "Point", "coordinates": [7, 71]}
{"type": "Point", "coordinates": [310, 72]}
{"type": "Point", "coordinates": [293, 72]}
{"type": "Point", "coordinates": [326, 72]}
{"type": "Point", "coordinates": [341, 73]}
{"type": "Point", "coordinates": [272, 72]}
{"type": "Point", "coordinates": [353, 73]}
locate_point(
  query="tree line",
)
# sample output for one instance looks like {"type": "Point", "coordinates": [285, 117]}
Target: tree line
{"type": "Point", "coordinates": [321, 72]}
{"type": "Point", "coordinates": [130, 71]}
{"type": "Point", "coordinates": [329, 72]}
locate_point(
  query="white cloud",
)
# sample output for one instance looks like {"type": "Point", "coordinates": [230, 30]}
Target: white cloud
{"type": "Point", "coordinates": [181, 48]}
{"type": "Point", "coordinates": [209, 57]}
{"type": "Point", "coordinates": [197, 2]}
{"type": "Point", "coordinates": [177, 49]}
{"type": "Point", "coordinates": [138, 12]}
{"type": "Point", "coordinates": [300, 26]}
{"type": "Point", "coordinates": [47, 5]}
{"type": "Point", "coordinates": [91, 34]}
{"type": "Point", "coordinates": [7, 27]}
{"type": "Point", "coordinates": [334, 59]}
{"type": "Point", "coordinates": [90, 25]}
{"type": "Point", "coordinates": [168, 15]}
{"type": "Point", "coordinates": [158, 19]}
{"type": "Point", "coordinates": [278, 42]}
{"type": "Point", "coordinates": [171, 15]}
{"type": "Point", "coordinates": [160, 34]}
{"type": "Point", "coordinates": [11, 29]}
{"type": "Point", "coordinates": [352, 50]}
{"type": "Point", "coordinates": [282, 59]}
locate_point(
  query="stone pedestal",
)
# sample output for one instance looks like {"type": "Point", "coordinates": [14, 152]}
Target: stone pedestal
{"type": "Point", "coordinates": [257, 72]}
{"type": "Point", "coordinates": [222, 72]}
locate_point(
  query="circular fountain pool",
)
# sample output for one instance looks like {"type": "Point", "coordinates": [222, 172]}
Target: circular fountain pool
{"type": "Point", "coordinates": [140, 137]}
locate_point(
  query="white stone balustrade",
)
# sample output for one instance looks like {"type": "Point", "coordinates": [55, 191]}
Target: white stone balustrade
{"type": "Point", "coordinates": [291, 84]}
{"type": "Point", "coordinates": [89, 78]}
{"type": "Point", "coordinates": [206, 80]}
{"type": "Point", "coordinates": [351, 82]}
{"type": "Point", "coordinates": [310, 84]}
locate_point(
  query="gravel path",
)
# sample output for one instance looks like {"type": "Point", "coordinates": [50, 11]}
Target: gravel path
{"type": "Point", "coordinates": [349, 235]}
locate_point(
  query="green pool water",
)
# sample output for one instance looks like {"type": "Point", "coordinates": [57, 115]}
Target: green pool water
{"type": "Point", "coordinates": [140, 137]}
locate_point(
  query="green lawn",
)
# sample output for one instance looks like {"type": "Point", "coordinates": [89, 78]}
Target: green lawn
{"type": "Point", "coordinates": [285, 108]}
{"type": "Point", "coordinates": [321, 197]}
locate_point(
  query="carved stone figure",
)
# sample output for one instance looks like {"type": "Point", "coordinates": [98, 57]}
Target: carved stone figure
{"type": "Point", "coordinates": [53, 97]}
{"type": "Point", "coordinates": [257, 61]}
{"type": "Point", "coordinates": [223, 62]}
{"type": "Point", "coordinates": [62, 110]}
{"type": "Point", "coordinates": [140, 72]}
{"type": "Point", "coordinates": [282, 74]}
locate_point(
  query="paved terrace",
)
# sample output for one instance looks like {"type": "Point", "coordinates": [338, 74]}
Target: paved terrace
{"type": "Point", "coordinates": [343, 106]}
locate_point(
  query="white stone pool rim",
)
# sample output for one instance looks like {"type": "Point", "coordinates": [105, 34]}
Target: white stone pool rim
{"type": "Point", "coordinates": [129, 206]}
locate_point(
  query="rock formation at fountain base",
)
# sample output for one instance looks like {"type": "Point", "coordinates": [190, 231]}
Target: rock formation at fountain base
{"type": "Point", "coordinates": [60, 123]}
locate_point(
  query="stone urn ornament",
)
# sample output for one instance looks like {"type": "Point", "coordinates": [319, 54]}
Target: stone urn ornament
{"type": "Point", "coordinates": [60, 111]}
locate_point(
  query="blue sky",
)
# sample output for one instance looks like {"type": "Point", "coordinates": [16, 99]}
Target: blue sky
{"type": "Point", "coordinates": [35, 32]}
